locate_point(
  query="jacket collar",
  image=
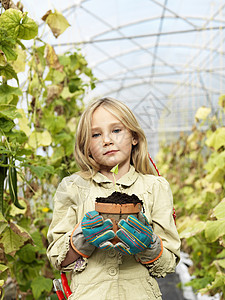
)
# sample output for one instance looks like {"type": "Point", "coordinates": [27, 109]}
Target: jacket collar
{"type": "Point", "coordinates": [127, 180]}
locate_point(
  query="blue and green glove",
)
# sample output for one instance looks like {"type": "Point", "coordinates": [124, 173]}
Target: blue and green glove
{"type": "Point", "coordinates": [96, 231]}
{"type": "Point", "coordinates": [92, 232]}
{"type": "Point", "coordinates": [135, 234]}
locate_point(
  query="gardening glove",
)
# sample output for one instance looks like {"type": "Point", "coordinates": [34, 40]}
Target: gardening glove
{"type": "Point", "coordinates": [135, 235]}
{"type": "Point", "coordinates": [96, 231]}
{"type": "Point", "coordinates": [79, 243]}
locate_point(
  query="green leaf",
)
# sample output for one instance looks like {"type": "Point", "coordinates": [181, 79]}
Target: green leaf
{"type": "Point", "coordinates": [219, 160]}
{"type": "Point", "coordinates": [219, 282]}
{"type": "Point", "coordinates": [40, 284]}
{"type": "Point", "coordinates": [9, 113]}
{"type": "Point", "coordinates": [3, 60]}
{"type": "Point", "coordinates": [8, 51]}
{"type": "Point", "coordinates": [18, 24]}
{"type": "Point", "coordinates": [8, 72]}
{"type": "Point", "coordinates": [37, 238]}
{"type": "Point", "coordinates": [3, 223]}
{"type": "Point", "coordinates": [214, 230]}
{"type": "Point", "coordinates": [7, 92]}
{"type": "Point", "coordinates": [222, 101]}
{"type": "Point", "coordinates": [57, 155]}
{"type": "Point", "coordinates": [115, 169]}
{"type": "Point", "coordinates": [24, 122]}
{"type": "Point", "coordinates": [19, 64]}
{"type": "Point", "coordinates": [6, 125]}
{"type": "Point", "coordinates": [41, 171]}
{"type": "Point", "coordinates": [217, 175]}
{"type": "Point", "coordinates": [54, 124]}
{"type": "Point", "coordinates": [219, 210]}
{"type": "Point", "coordinates": [55, 76]}
{"type": "Point", "coordinates": [3, 268]}
{"type": "Point", "coordinates": [216, 139]}
{"type": "Point", "coordinates": [17, 136]}
{"type": "Point", "coordinates": [62, 137]}
{"type": "Point", "coordinates": [202, 113]}
{"type": "Point", "coordinates": [3, 272]}
{"type": "Point", "coordinates": [220, 262]}
{"type": "Point", "coordinates": [27, 253]}
{"type": "Point", "coordinates": [11, 241]}
{"type": "Point", "coordinates": [56, 21]}
{"type": "Point", "coordinates": [38, 139]}
{"type": "Point", "coordinates": [193, 230]}
{"type": "Point", "coordinates": [18, 211]}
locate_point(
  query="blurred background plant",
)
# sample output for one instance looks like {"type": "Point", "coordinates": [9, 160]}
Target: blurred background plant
{"type": "Point", "coordinates": [195, 167]}
{"type": "Point", "coordinates": [37, 125]}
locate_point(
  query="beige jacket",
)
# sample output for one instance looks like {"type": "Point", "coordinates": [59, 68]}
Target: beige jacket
{"type": "Point", "coordinates": [108, 275]}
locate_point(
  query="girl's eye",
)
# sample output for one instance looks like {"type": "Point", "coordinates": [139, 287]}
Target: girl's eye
{"type": "Point", "coordinates": [117, 130]}
{"type": "Point", "coordinates": [95, 135]}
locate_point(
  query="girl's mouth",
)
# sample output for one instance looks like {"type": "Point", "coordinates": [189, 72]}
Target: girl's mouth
{"type": "Point", "coordinates": [111, 152]}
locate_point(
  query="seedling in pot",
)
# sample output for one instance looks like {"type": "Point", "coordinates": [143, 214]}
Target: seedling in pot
{"type": "Point", "coordinates": [115, 171]}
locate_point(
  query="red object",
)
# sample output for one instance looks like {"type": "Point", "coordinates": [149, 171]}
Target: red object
{"type": "Point", "coordinates": [153, 164]}
{"type": "Point", "coordinates": [65, 285]}
{"type": "Point", "coordinates": [58, 289]}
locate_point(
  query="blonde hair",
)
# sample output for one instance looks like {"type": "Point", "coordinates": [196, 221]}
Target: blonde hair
{"type": "Point", "coordinates": [139, 154]}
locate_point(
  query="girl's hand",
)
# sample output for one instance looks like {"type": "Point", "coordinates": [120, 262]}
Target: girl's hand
{"type": "Point", "coordinates": [135, 235]}
{"type": "Point", "coordinates": [96, 231]}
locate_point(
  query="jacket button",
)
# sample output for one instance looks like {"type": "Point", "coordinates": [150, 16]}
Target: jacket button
{"type": "Point", "coordinates": [112, 271]}
{"type": "Point", "coordinates": [112, 253]}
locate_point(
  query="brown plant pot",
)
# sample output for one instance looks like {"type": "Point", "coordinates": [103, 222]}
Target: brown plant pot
{"type": "Point", "coordinates": [116, 212]}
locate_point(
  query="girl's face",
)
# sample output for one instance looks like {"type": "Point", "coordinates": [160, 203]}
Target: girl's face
{"type": "Point", "coordinates": [111, 142]}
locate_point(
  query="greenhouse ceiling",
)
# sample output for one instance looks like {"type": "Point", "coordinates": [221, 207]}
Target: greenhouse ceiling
{"type": "Point", "coordinates": [163, 58]}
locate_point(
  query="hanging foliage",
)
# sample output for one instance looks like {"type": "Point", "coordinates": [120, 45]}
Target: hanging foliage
{"type": "Point", "coordinates": [36, 146]}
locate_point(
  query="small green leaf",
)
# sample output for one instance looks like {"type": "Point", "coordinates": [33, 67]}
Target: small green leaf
{"type": "Point", "coordinates": [6, 125]}
{"type": "Point", "coordinates": [27, 253]}
{"type": "Point", "coordinates": [115, 169]}
{"type": "Point", "coordinates": [37, 238]}
{"type": "Point", "coordinates": [8, 51]}
{"type": "Point", "coordinates": [8, 72]}
{"type": "Point", "coordinates": [40, 284]}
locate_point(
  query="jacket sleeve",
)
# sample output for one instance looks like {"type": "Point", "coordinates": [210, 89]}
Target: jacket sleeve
{"type": "Point", "coordinates": [163, 226]}
{"type": "Point", "coordinates": [63, 222]}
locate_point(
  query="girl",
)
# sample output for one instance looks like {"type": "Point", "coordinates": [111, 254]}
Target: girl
{"type": "Point", "coordinates": [80, 241]}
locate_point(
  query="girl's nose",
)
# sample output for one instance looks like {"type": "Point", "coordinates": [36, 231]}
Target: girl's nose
{"type": "Point", "coordinates": [107, 139]}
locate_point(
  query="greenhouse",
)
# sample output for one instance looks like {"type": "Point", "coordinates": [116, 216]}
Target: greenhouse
{"type": "Point", "coordinates": [163, 59]}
